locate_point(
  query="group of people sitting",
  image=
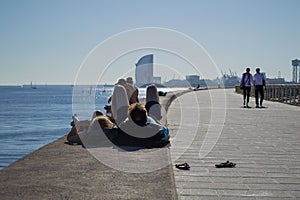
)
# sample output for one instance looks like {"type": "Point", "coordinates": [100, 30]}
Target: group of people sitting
{"type": "Point", "coordinates": [127, 122]}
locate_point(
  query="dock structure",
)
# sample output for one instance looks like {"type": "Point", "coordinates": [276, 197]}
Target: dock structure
{"type": "Point", "coordinates": [207, 127]}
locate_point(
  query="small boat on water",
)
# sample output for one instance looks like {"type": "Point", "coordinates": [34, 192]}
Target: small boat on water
{"type": "Point", "coordinates": [32, 86]}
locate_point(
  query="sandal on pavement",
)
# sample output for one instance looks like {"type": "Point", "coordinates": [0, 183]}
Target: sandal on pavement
{"type": "Point", "coordinates": [226, 164]}
{"type": "Point", "coordinates": [183, 166]}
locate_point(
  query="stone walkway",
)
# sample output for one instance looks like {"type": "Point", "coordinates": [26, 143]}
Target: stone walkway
{"type": "Point", "coordinates": [264, 144]}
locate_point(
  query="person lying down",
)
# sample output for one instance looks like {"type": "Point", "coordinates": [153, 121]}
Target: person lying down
{"type": "Point", "coordinates": [129, 125]}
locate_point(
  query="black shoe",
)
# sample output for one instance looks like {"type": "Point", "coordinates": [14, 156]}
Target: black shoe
{"type": "Point", "coordinates": [226, 164]}
{"type": "Point", "coordinates": [183, 166]}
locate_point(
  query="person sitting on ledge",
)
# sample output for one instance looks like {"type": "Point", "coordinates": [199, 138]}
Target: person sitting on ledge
{"type": "Point", "coordinates": [81, 126]}
{"type": "Point", "coordinates": [131, 91]}
{"type": "Point", "coordinates": [130, 125]}
{"type": "Point", "coordinates": [138, 124]}
{"type": "Point", "coordinates": [135, 126]}
{"type": "Point", "coordinates": [140, 130]}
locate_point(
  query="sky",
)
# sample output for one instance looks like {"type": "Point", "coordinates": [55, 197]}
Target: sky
{"type": "Point", "coordinates": [47, 42]}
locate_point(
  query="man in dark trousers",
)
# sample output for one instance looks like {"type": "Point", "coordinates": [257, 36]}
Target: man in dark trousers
{"type": "Point", "coordinates": [246, 82]}
{"type": "Point", "coordinates": [259, 83]}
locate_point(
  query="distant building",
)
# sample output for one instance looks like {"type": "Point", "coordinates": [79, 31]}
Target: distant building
{"type": "Point", "coordinates": [194, 80]}
{"type": "Point", "coordinates": [177, 83]}
{"type": "Point", "coordinates": [296, 71]}
{"type": "Point", "coordinates": [157, 79]}
{"type": "Point", "coordinates": [230, 80]}
{"type": "Point", "coordinates": [278, 80]}
{"type": "Point", "coordinates": [144, 70]}
{"type": "Point", "coordinates": [275, 81]}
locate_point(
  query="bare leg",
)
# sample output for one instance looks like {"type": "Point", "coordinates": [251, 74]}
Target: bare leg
{"type": "Point", "coordinates": [119, 104]}
{"type": "Point", "coordinates": [153, 107]}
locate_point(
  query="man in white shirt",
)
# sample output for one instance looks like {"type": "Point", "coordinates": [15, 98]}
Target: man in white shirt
{"type": "Point", "coordinates": [259, 83]}
{"type": "Point", "coordinates": [246, 82]}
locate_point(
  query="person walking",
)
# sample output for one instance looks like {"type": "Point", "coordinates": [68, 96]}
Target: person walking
{"type": "Point", "coordinates": [246, 82]}
{"type": "Point", "coordinates": [259, 83]}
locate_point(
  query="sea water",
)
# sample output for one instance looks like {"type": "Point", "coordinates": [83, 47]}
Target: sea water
{"type": "Point", "coordinates": [31, 117]}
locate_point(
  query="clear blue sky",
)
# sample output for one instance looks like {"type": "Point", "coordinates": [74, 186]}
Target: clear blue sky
{"type": "Point", "coordinates": [46, 41]}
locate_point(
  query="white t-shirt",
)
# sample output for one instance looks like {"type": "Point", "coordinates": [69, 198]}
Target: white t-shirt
{"type": "Point", "coordinates": [258, 79]}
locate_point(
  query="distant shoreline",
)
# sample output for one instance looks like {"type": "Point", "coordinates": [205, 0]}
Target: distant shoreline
{"type": "Point", "coordinates": [50, 85]}
{"type": "Point", "coordinates": [68, 85]}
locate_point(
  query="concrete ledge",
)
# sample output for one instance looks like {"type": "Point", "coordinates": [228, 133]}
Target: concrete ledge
{"type": "Point", "coordinates": [60, 171]}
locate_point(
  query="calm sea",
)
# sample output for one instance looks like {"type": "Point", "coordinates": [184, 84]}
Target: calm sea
{"type": "Point", "coordinates": [31, 118]}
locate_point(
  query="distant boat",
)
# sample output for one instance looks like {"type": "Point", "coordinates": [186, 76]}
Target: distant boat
{"type": "Point", "coordinates": [104, 90]}
{"type": "Point", "coordinates": [91, 88]}
{"type": "Point", "coordinates": [32, 86]}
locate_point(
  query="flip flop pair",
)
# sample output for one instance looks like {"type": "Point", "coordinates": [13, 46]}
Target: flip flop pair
{"type": "Point", "coordinates": [226, 164]}
{"type": "Point", "coordinates": [184, 166]}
